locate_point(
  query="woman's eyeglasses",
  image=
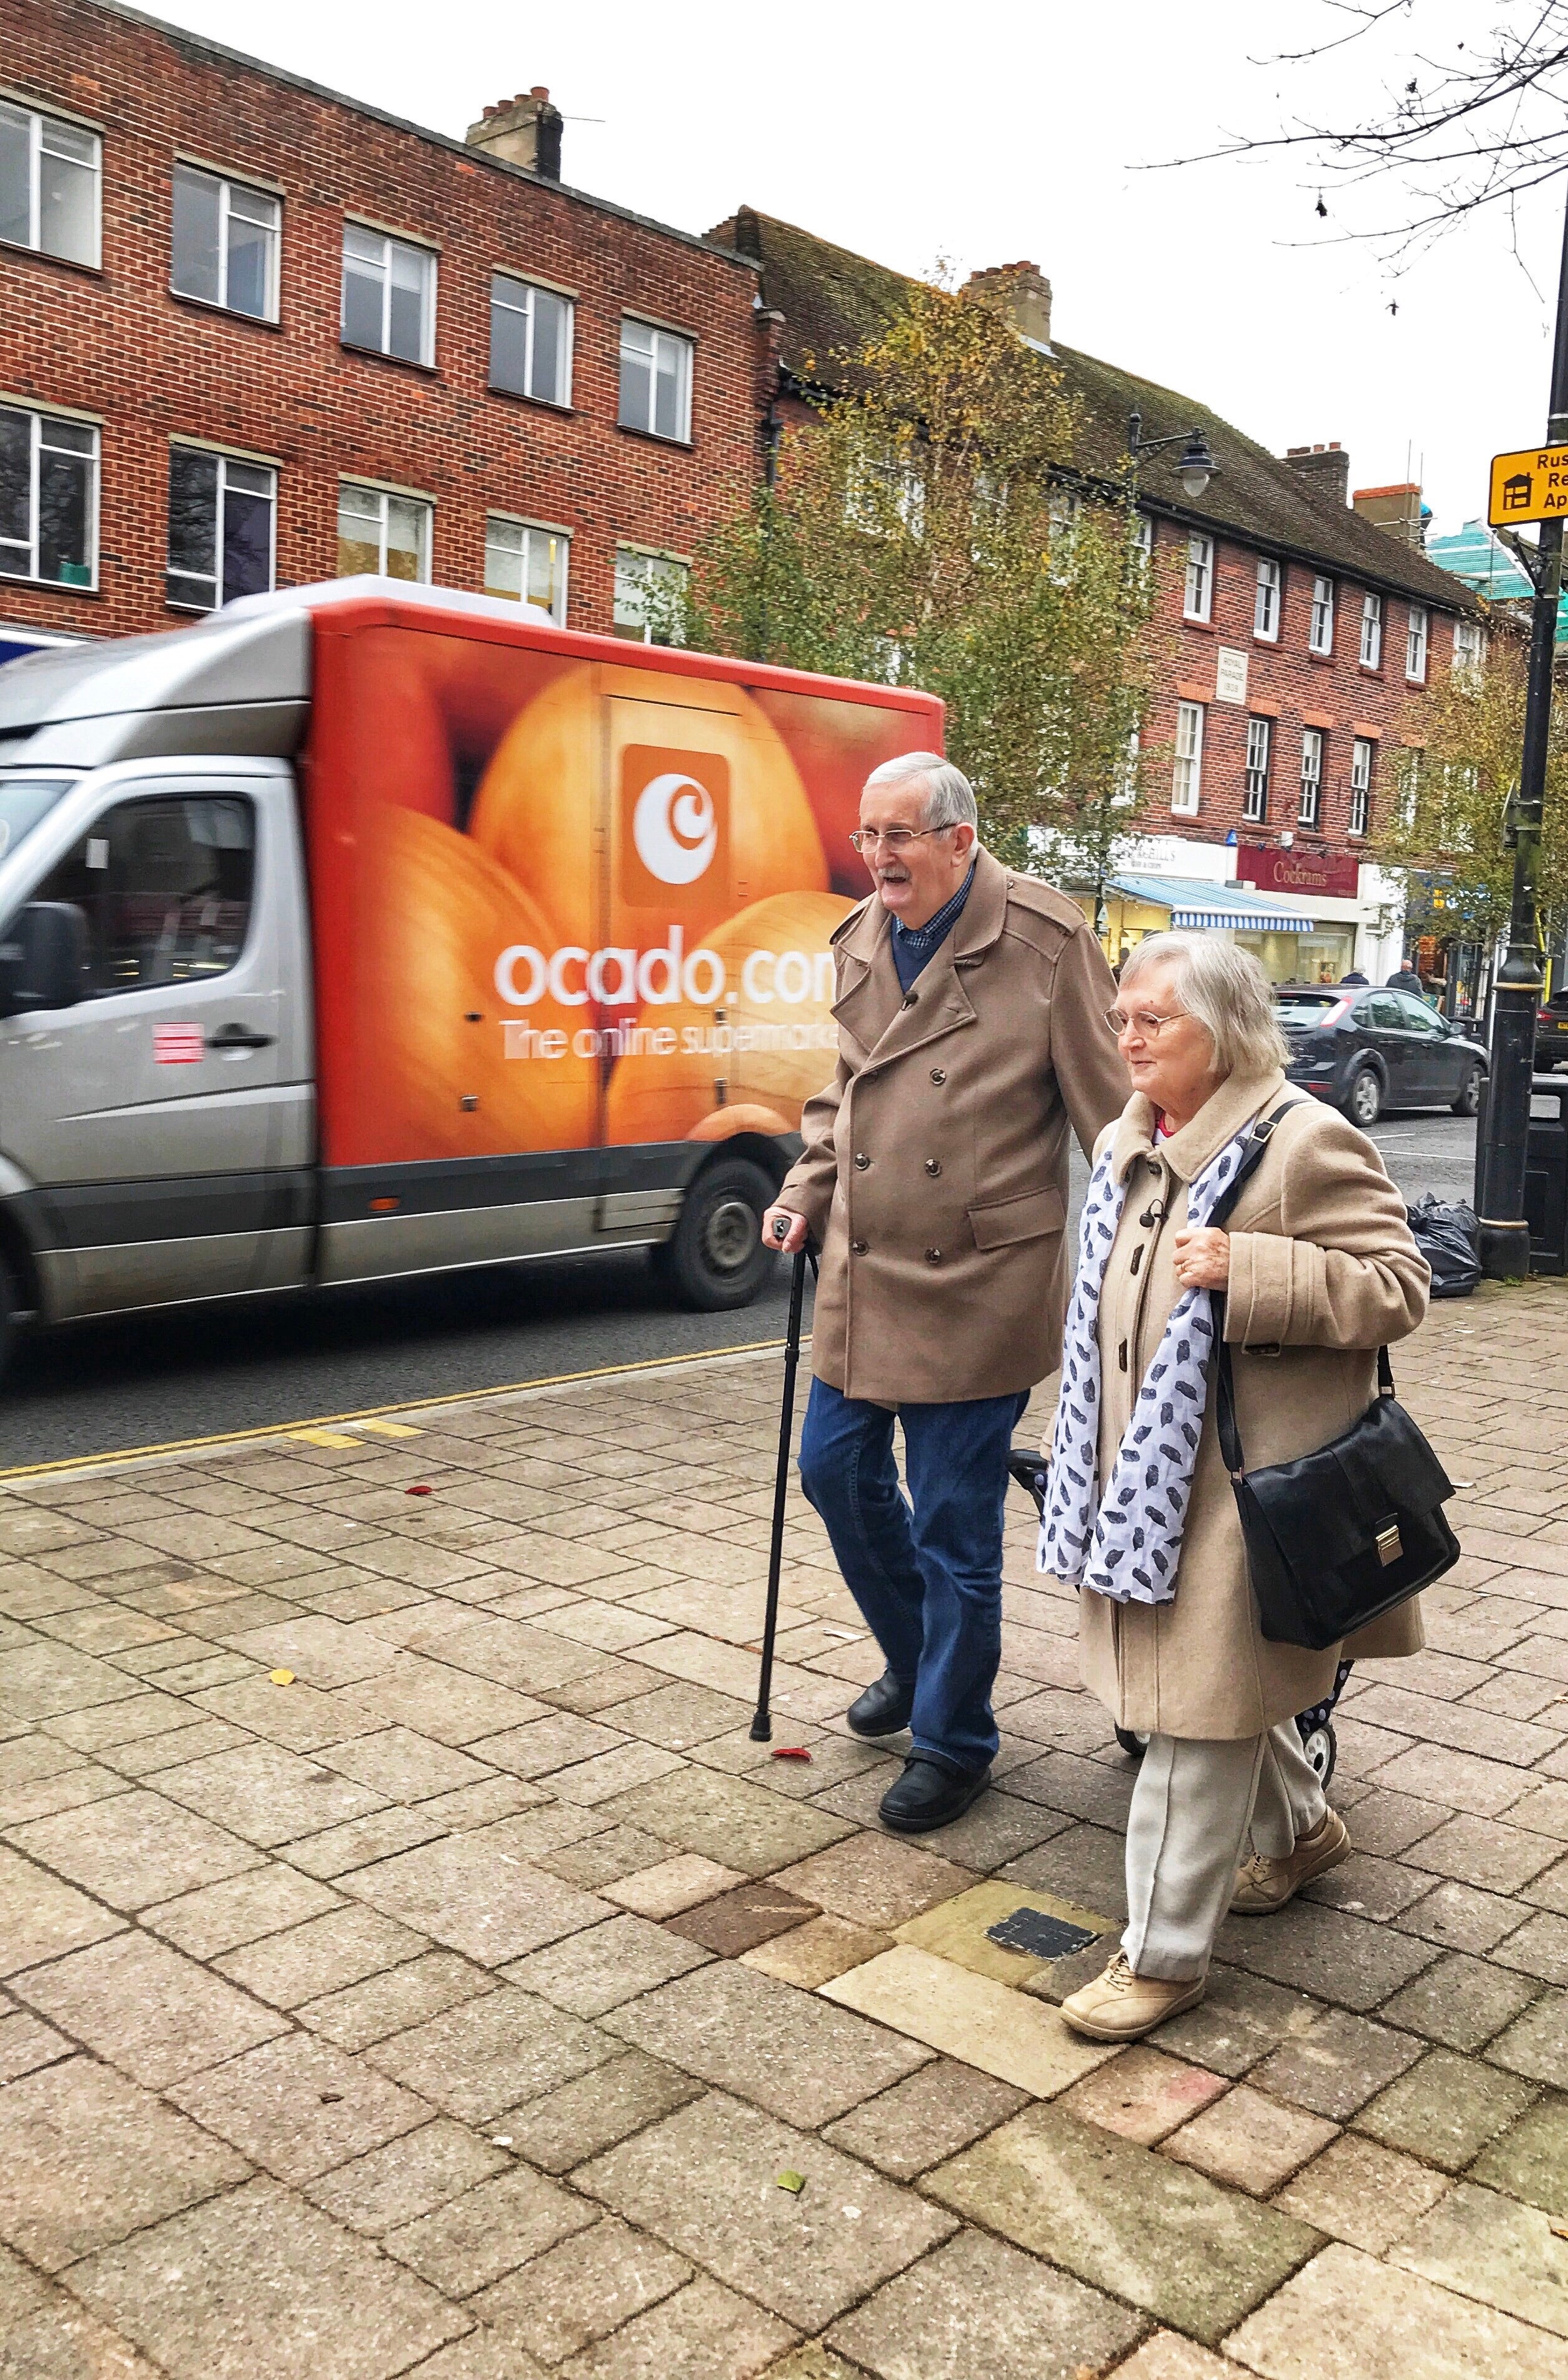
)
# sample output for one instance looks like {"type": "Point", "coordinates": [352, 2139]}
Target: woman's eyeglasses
{"type": "Point", "coordinates": [1141, 1021]}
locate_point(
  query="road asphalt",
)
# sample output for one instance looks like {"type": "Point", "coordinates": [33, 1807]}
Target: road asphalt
{"type": "Point", "coordinates": [150, 1379]}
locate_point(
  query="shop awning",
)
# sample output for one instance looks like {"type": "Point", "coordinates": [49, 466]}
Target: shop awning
{"type": "Point", "coordinates": [1194, 904]}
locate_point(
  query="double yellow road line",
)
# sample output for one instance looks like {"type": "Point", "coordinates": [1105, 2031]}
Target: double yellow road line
{"type": "Point", "coordinates": [327, 1429]}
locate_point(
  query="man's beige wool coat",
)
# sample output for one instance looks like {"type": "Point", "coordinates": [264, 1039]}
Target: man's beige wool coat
{"type": "Point", "coordinates": [934, 1174]}
{"type": "Point", "coordinates": [1323, 1272]}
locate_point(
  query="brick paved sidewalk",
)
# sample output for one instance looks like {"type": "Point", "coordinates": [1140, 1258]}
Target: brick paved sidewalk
{"type": "Point", "coordinates": [471, 2004]}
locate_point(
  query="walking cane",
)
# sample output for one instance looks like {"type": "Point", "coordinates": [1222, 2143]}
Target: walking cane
{"type": "Point", "coordinates": [763, 1718]}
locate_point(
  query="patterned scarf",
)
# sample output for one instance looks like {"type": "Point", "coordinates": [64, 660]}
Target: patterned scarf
{"type": "Point", "coordinates": [1126, 1544]}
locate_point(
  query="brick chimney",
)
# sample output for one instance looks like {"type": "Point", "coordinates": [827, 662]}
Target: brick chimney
{"type": "Point", "coordinates": [1020, 294]}
{"type": "Point", "coordinates": [1396, 509]}
{"type": "Point", "coordinates": [525, 130]}
{"type": "Point", "coordinates": [1326, 470]}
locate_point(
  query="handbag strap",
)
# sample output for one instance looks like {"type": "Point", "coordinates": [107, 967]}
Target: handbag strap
{"type": "Point", "coordinates": [1225, 1398]}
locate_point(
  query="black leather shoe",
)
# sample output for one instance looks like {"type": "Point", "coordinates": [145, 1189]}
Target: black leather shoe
{"type": "Point", "coordinates": [928, 1796]}
{"type": "Point", "coordinates": [883, 1708]}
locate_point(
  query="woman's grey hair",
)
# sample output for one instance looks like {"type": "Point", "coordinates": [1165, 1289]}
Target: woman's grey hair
{"type": "Point", "coordinates": [1225, 988]}
{"type": "Point", "coordinates": [949, 797]}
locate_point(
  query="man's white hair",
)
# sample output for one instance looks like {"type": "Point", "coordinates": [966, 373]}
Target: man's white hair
{"type": "Point", "coordinates": [949, 797]}
{"type": "Point", "coordinates": [1225, 988]}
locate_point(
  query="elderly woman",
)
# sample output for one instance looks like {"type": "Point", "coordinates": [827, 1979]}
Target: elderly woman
{"type": "Point", "coordinates": [1317, 1270]}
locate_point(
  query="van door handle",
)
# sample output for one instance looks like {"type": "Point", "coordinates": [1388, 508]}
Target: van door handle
{"type": "Point", "coordinates": [239, 1037]}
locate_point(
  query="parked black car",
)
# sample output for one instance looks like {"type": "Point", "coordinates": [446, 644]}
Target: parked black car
{"type": "Point", "coordinates": [1551, 1033]}
{"type": "Point", "coordinates": [1368, 1050]}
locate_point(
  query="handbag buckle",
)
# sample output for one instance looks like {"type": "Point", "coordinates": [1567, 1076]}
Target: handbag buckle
{"type": "Point", "coordinates": [1389, 1544]}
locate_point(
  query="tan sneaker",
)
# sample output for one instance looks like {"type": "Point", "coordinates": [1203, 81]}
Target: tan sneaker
{"type": "Point", "coordinates": [1263, 1884]}
{"type": "Point", "coordinates": [1120, 2006]}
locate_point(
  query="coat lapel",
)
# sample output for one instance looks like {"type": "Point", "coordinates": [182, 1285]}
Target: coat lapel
{"type": "Point", "coordinates": [1187, 1152]}
{"type": "Point", "coordinates": [873, 1007]}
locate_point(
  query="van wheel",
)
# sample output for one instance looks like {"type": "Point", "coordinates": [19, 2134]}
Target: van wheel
{"type": "Point", "coordinates": [715, 1259]}
{"type": "Point", "coordinates": [1470, 1100]}
{"type": "Point", "coordinates": [1365, 1104]}
{"type": "Point", "coordinates": [11, 1311]}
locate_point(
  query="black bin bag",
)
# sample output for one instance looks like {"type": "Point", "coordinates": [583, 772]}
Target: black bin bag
{"type": "Point", "coordinates": [1447, 1235]}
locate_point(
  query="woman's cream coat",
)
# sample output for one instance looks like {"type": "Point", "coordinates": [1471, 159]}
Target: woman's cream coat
{"type": "Point", "coordinates": [1323, 1271]}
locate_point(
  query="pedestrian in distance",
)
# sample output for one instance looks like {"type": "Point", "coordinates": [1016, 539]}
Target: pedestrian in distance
{"type": "Point", "coordinates": [971, 1008]}
{"type": "Point", "coordinates": [1318, 1271]}
{"type": "Point", "coordinates": [1405, 978]}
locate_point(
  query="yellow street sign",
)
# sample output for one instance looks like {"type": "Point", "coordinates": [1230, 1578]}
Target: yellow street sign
{"type": "Point", "coordinates": [1529, 486]}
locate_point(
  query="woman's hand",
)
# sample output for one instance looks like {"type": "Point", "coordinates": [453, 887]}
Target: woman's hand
{"type": "Point", "coordinates": [1202, 1259]}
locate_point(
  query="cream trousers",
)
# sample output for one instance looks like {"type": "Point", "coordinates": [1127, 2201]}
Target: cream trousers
{"type": "Point", "coordinates": [1194, 1806]}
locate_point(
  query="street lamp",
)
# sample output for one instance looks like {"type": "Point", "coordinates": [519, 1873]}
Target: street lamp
{"type": "Point", "coordinates": [1194, 465]}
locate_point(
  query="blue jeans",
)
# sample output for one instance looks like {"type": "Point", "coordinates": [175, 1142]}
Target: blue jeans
{"type": "Point", "coordinates": [927, 1575]}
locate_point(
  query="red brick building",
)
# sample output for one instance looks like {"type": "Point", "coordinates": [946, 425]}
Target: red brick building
{"type": "Point", "coordinates": [252, 333]}
{"type": "Point", "coordinates": [1300, 637]}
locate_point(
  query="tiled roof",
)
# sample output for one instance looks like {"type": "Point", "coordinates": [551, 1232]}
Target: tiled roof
{"type": "Point", "coordinates": [832, 301]}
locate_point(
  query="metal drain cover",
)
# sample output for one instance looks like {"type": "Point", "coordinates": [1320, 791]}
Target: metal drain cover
{"type": "Point", "coordinates": [1041, 1936]}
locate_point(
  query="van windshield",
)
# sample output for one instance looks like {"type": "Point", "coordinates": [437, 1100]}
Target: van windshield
{"type": "Point", "coordinates": [23, 801]}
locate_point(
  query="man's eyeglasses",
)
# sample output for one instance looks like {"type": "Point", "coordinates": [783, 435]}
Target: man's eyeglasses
{"type": "Point", "coordinates": [895, 838]}
{"type": "Point", "coordinates": [1141, 1021]}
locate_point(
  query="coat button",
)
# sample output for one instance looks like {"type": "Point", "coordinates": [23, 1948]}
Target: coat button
{"type": "Point", "coordinates": [859, 1247]}
{"type": "Point", "coordinates": [939, 1074]}
{"type": "Point", "coordinates": [910, 998]}
{"type": "Point", "coordinates": [933, 1256]}
{"type": "Point", "coordinates": [861, 1163]}
{"type": "Point", "coordinates": [932, 1166]}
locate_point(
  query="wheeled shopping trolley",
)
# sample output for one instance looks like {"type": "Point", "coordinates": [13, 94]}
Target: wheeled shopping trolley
{"type": "Point", "coordinates": [1316, 1724]}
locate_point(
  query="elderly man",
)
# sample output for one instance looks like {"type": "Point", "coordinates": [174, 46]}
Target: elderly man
{"type": "Point", "coordinates": [972, 1031]}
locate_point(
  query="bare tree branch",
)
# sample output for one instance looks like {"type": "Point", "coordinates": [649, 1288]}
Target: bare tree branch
{"type": "Point", "coordinates": [1458, 138]}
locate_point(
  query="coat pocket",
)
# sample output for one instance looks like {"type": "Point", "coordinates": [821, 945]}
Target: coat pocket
{"type": "Point", "coordinates": [1029, 1218]}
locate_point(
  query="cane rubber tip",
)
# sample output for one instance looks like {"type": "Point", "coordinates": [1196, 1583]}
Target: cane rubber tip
{"type": "Point", "coordinates": [762, 1729]}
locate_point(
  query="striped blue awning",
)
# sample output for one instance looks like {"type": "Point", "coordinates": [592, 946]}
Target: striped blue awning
{"type": "Point", "coordinates": [1194, 905]}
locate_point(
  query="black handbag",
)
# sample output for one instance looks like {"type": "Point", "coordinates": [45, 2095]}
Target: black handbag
{"type": "Point", "coordinates": [1338, 1538]}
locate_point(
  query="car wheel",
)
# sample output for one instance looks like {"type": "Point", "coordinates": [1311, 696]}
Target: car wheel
{"type": "Point", "coordinates": [1132, 1743]}
{"type": "Point", "coordinates": [1470, 1100]}
{"type": "Point", "coordinates": [715, 1260]}
{"type": "Point", "coordinates": [1364, 1102]}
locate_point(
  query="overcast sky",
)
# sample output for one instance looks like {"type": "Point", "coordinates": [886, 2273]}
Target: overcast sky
{"type": "Point", "coordinates": [988, 132]}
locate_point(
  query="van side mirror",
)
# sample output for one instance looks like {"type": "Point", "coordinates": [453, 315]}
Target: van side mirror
{"type": "Point", "coordinates": [43, 958]}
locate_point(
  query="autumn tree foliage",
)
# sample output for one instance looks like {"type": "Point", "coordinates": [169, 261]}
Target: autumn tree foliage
{"type": "Point", "coordinates": [928, 527]}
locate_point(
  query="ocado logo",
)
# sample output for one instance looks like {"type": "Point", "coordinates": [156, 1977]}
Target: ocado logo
{"type": "Point", "coordinates": [675, 829]}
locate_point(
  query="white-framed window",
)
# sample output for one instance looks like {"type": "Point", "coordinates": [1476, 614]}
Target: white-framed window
{"type": "Point", "coordinates": [1415, 644]}
{"type": "Point", "coordinates": [882, 494]}
{"type": "Point", "coordinates": [1143, 536]}
{"type": "Point", "coordinates": [388, 296]}
{"type": "Point", "coordinates": [1360, 784]}
{"type": "Point", "coordinates": [223, 529]}
{"type": "Point", "coordinates": [1198, 601]}
{"type": "Point", "coordinates": [385, 534]}
{"type": "Point", "coordinates": [1320, 636]}
{"type": "Point", "coordinates": [1259, 750]}
{"type": "Point", "coordinates": [655, 380]}
{"type": "Point", "coordinates": [48, 498]}
{"type": "Point", "coordinates": [1469, 650]}
{"type": "Point", "coordinates": [648, 588]}
{"type": "Point", "coordinates": [51, 174]}
{"type": "Point", "coordinates": [1265, 602]}
{"type": "Point", "coordinates": [225, 246]}
{"type": "Point", "coordinates": [527, 563]}
{"type": "Point", "coordinates": [530, 340]}
{"type": "Point", "coordinates": [1311, 776]}
{"type": "Point", "coordinates": [1371, 631]}
{"type": "Point", "coordinates": [1187, 776]}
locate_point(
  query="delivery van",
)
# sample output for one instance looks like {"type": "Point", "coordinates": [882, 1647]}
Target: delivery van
{"type": "Point", "coordinates": [367, 930]}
